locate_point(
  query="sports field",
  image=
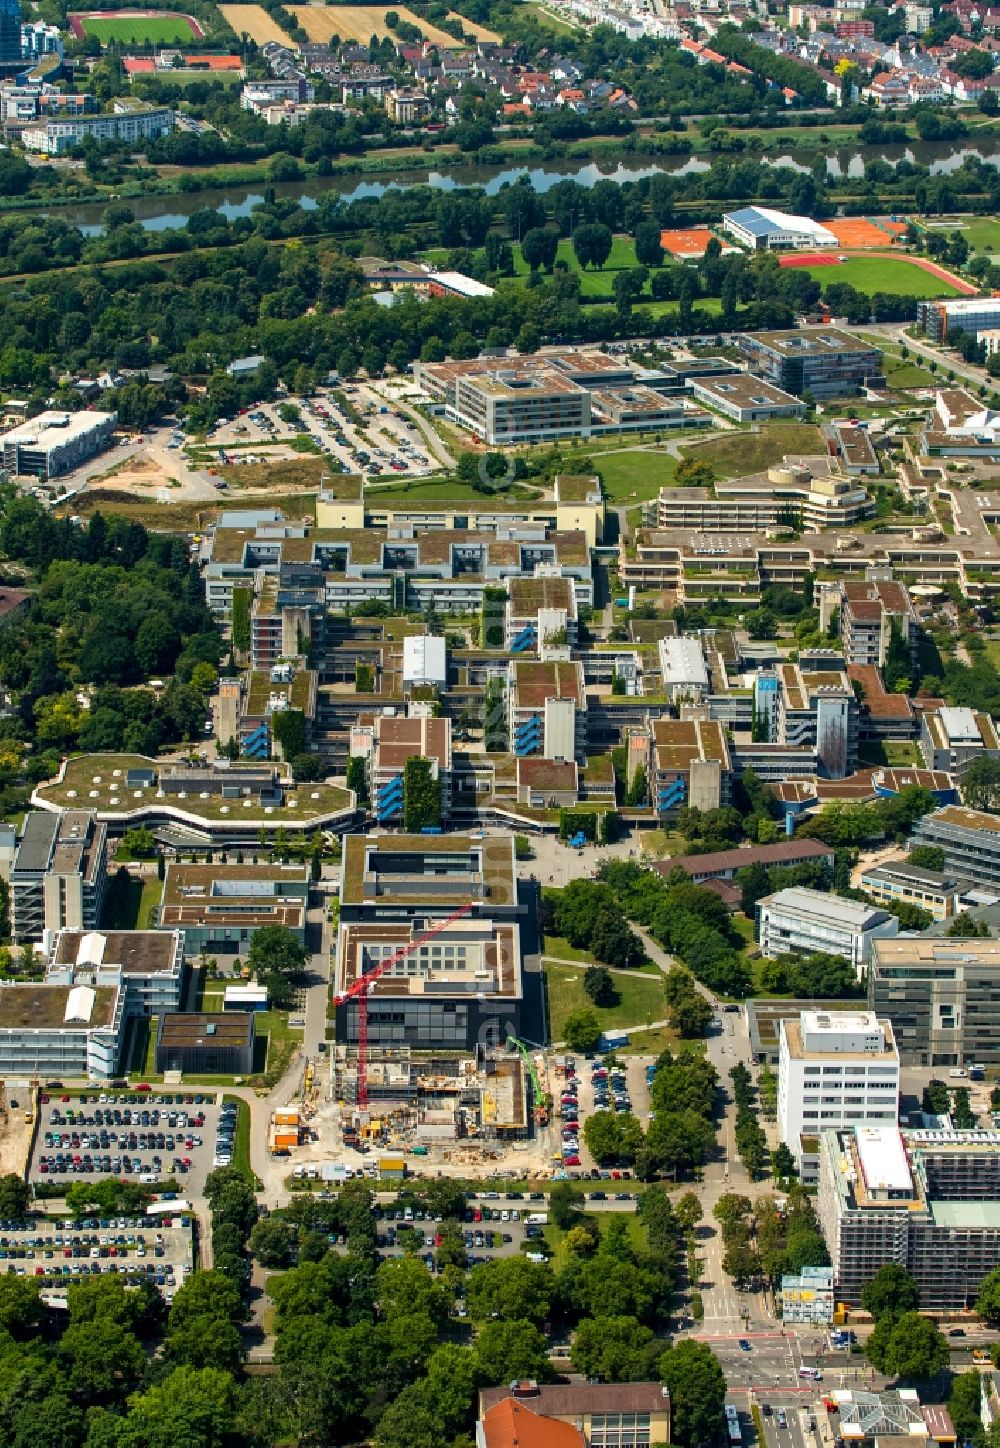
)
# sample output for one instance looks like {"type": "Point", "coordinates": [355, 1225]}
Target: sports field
{"type": "Point", "coordinates": [136, 27]}
{"type": "Point", "coordinates": [253, 20]}
{"type": "Point", "coordinates": [896, 275]}
{"type": "Point", "coordinates": [359, 22]}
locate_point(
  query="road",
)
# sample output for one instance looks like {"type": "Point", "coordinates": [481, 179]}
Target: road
{"type": "Point", "coordinates": [948, 361]}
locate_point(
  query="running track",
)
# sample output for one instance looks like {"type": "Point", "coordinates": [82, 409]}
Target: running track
{"type": "Point", "coordinates": [825, 258]}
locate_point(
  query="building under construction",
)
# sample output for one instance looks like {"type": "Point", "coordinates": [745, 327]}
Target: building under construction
{"type": "Point", "coordinates": [436, 923]}
{"type": "Point", "coordinates": [425, 1099]}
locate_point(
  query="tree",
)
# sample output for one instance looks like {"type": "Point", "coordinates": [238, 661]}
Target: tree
{"type": "Point", "coordinates": [909, 1346]}
{"type": "Point", "coordinates": [190, 1408]}
{"type": "Point", "coordinates": [612, 941]}
{"type": "Point", "coordinates": [102, 1359]}
{"type": "Point", "coordinates": [582, 1030]}
{"type": "Point", "coordinates": [599, 986]}
{"type": "Point", "coordinates": [507, 1351]}
{"type": "Point", "coordinates": [783, 1163]}
{"type": "Point", "coordinates": [271, 1242]}
{"type": "Point", "coordinates": [754, 882]}
{"type": "Point", "coordinates": [539, 247]}
{"type": "Point", "coordinates": [564, 1206]}
{"type": "Point", "coordinates": [592, 243]}
{"type": "Point", "coordinates": [510, 1288]}
{"type": "Point", "coordinates": [276, 957]}
{"type": "Point", "coordinates": [890, 1292]}
{"type": "Point", "coordinates": [15, 1196]}
{"type": "Point", "coordinates": [648, 251]}
{"type": "Point", "coordinates": [615, 1349]}
{"type": "Point", "coordinates": [688, 1211]}
{"type": "Point", "coordinates": [981, 784]}
{"type": "Point", "coordinates": [988, 1301]}
{"type": "Point", "coordinates": [20, 1305]}
{"type": "Point", "coordinates": [697, 1388]}
{"type": "Point", "coordinates": [421, 796]}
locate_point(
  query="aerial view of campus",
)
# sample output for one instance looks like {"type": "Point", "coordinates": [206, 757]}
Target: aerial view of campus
{"type": "Point", "coordinates": [500, 724]}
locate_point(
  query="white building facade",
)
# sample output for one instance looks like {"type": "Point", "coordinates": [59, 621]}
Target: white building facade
{"type": "Point", "coordinates": [809, 922]}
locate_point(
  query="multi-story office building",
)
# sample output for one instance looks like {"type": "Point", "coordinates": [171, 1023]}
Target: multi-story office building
{"type": "Point", "coordinates": [952, 739]}
{"type": "Point", "coordinates": [870, 612]}
{"type": "Point", "coordinates": [558, 394]}
{"type": "Point", "coordinates": [547, 708]}
{"type": "Point", "coordinates": [219, 907]}
{"type": "Point", "coordinates": [387, 745]}
{"type": "Point", "coordinates": [835, 1069]}
{"type": "Point", "coordinates": [148, 965]}
{"type": "Point", "coordinates": [963, 314]}
{"type": "Point", "coordinates": [461, 987]}
{"type": "Point", "coordinates": [745, 399]}
{"type": "Point", "coordinates": [59, 875]}
{"type": "Point", "coordinates": [61, 1030]}
{"type": "Point", "coordinates": [55, 442]}
{"type": "Point", "coordinates": [807, 922]}
{"type": "Point", "coordinates": [820, 360]}
{"type": "Point", "coordinates": [926, 1200]}
{"type": "Point", "coordinates": [210, 1045]}
{"type": "Point", "coordinates": [899, 882]}
{"type": "Point", "coordinates": [683, 670]}
{"type": "Point", "coordinates": [813, 709]}
{"type": "Point", "coordinates": [970, 840]}
{"type": "Point", "coordinates": [688, 764]}
{"type": "Point", "coordinates": [10, 35]}
{"type": "Point", "coordinates": [942, 997]}
{"type": "Point", "coordinates": [539, 611]}
{"type": "Point", "coordinates": [789, 496]}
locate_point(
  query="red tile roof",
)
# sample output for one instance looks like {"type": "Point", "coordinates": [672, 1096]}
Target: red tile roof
{"type": "Point", "coordinates": [512, 1424]}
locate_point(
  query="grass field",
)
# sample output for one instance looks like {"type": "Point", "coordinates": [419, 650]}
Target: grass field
{"type": "Point", "coordinates": [253, 20]}
{"type": "Point", "coordinates": [740, 453]}
{"type": "Point", "coordinates": [548, 21]}
{"type": "Point", "coordinates": [981, 232]}
{"type": "Point", "coordinates": [883, 274]}
{"type": "Point", "coordinates": [361, 22]}
{"type": "Point", "coordinates": [241, 1140]}
{"type": "Point", "coordinates": [640, 998]}
{"type": "Point", "coordinates": [168, 28]}
{"type": "Point", "coordinates": [592, 283]}
{"type": "Point", "coordinates": [638, 1236]}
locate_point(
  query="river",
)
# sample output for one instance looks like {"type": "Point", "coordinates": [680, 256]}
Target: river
{"type": "Point", "coordinates": [160, 213]}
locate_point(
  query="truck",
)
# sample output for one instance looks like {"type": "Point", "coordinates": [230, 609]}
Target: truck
{"type": "Point", "coordinates": [536, 1219]}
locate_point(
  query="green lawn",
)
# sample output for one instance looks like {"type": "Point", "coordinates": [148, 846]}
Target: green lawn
{"type": "Point", "coordinates": [981, 232]}
{"type": "Point", "coordinates": [635, 476]}
{"type": "Point", "coordinates": [883, 274]}
{"type": "Point", "coordinates": [548, 21]}
{"type": "Point", "coordinates": [901, 375]}
{"type": "Point", "coordinates": [592, 283]}
{"type": "Point", "coordinates": [560, 947]}
{"type": "Point", "coordinates": [740, 453]}
{"type": "Point", "coordinates": [555, 1236]}
{"type": "Point", "coordinates": [241, 1141]}
{"type": "Point", "coordinates": [640, 998]}
{"type": "Point", "coordinates": [165, 29]}
{"type": "Point", "coordinates": [891, 752]}
{"type": "Point", "coordinates": [152, 894]}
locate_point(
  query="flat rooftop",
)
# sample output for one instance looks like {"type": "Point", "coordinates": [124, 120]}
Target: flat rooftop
{"type": "Point", "coordinates": [187, 1029]}
{"type": "Point", "coordinates": [461, 869]}
{"type": "Point", "coordinates": [535, 681]}
{"type": "Point", "coordinates": [679, 743]}
{"type": "Point", "coordinates": [903, 952]}
{"type": "Point", "coordinates": [38, 1007]}
{"type": "Point", "coordinates": [958, 817]}
{"type": "Point", "coordinates": [55, 429]}
{"type": "Point", "coordinates": [528, 595]}
{"type": "Point", "coordinates": [135, 952]}
{"type": "Point", "coordinates": [810, 342]}
{"type": "Point", "coordinates": [741, 390]}
{"type": "Point", "coordinates": [842, 1021]}
{"type": "Point", "coordinates": [472, 958]}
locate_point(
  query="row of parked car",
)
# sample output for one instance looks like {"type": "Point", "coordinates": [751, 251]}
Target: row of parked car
{"type": "Point", "coordinates": [225, 1135]}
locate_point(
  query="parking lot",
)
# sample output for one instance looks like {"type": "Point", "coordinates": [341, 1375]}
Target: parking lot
{"type": "Point", "coordinates": [158, 1248]}
{"type": "Point", "coordinates": [140, 1137]}
{"type": "Point", "coordinates": [385, 443]}
{"type": "Point", "coordinates": [591, 1086]}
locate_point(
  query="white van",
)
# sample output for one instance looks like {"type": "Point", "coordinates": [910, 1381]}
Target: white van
{"type": "Point", "coordinates": [812, 1373]}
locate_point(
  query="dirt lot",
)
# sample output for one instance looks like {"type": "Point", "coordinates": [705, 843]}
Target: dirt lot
{"type": "Point", "coordinates": [15, 1132]}
{"type": "Point", "coordinates": [352, 22]}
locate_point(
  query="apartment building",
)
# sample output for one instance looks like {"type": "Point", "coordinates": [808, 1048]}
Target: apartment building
{"type": "Point", "coordinates": [689, 763]}
{"type": "Point", "coordinates": [547, 708]}
{"type": "Point", "coordinates": [786, 496]}
{"type": "Point", "coordinates": [407, 107]}
{"type": "Point", "coordinates": [970, 840]}
{"type": "Point", "coordinates": [899, 882]}
{"type": "Point", "coordinates": [59, 875]}
{"type": "Point", "coordinates": [835, 1069]}
{"type": "Point", "coordinates": [952, 739]}
{"type": "Point", "coordinates": [54, 443]}
{"type": "Point", "coordinates": [924, 1200]}
{"type": "Point", "coordinates": [806, 922]}
{"type": "Point", "coordinates": [822, 361]}
{"type": "Point", "coordinates": [128, 122]}
{"type": "Point", "coordinates": [942, 997]}
{"type": "Point", "coordinates": [459, 989]}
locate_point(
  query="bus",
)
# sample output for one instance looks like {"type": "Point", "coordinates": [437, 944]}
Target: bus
{"type": "Point", "coordinates": [733, 1424]}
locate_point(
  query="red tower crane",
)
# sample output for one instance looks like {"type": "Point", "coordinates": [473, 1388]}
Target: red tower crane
{"type": "Point", "coordinates": [361, 989]}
